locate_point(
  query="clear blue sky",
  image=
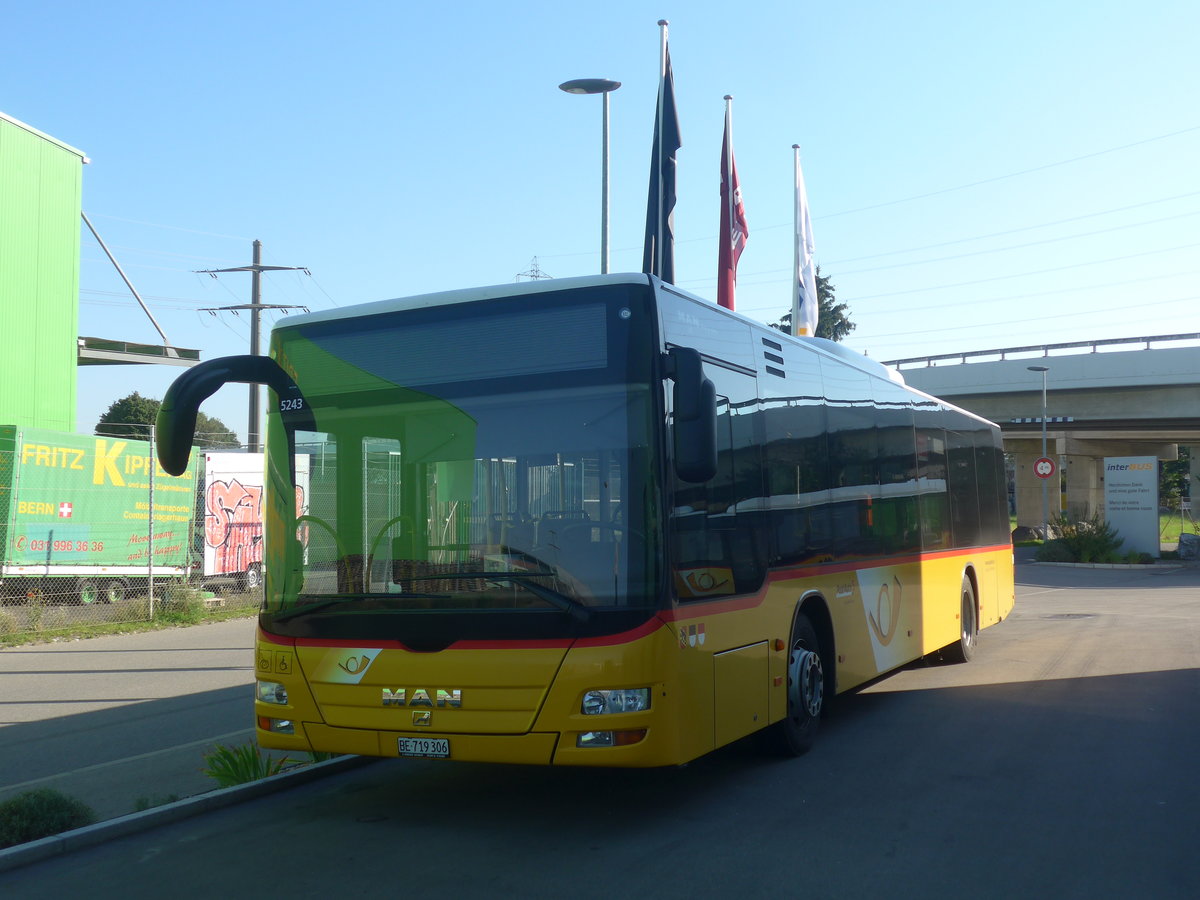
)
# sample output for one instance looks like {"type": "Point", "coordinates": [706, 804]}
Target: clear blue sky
{"type": "Point", "coordinates": [979, 175]}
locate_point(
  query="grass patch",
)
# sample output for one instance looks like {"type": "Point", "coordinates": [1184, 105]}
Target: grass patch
{"type": "Point", "coordinates": [130, 616]}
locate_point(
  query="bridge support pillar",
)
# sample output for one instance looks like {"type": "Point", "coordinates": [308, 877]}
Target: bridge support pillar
{"type": "Point", "coordinates": [1029, 491]}
{"type": "Point", "coordinates": [1193, 485]}
{"type": "Point", "coordinates": [1085, 486]}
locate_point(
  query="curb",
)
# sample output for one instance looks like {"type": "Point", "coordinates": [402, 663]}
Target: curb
{"type": "Point", "coordinates": [90, 835]}
{"type": "Point", "coordinates": [1137, 567]}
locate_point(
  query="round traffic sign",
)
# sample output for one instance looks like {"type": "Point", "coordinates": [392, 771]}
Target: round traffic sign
{"type": "Point", "coordinates": [1044, 467]}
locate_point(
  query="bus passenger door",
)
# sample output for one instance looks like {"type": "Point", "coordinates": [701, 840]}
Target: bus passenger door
{"type": "Point", "coordinates": [716, 554]}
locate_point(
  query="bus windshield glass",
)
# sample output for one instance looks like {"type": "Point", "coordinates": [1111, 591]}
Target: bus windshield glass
{"type": "Point", "coordinates": [492, 457]}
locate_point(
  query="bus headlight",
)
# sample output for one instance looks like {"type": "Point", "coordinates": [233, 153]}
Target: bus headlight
{"type": "Point", "coordinates": [598, 702]}
{"type": "Point", "coordinates": [272, 692]}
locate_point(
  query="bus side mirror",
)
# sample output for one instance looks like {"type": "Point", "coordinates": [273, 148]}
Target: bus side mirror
{"type": "Point", "coordinates": [176, 424]}
{"type": "Point", "coordinates": [695, 406]}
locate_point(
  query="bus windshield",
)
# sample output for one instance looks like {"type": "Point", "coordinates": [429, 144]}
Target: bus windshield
{"type": "Point", "coordinates": [484, 458]}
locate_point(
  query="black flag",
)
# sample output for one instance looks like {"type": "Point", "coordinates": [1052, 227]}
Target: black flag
{"type": "Point", "coordinates": [658, 257]}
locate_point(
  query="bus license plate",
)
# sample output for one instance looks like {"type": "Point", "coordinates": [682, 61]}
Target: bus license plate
{"type": "Point", "coordinates": [427, 748]}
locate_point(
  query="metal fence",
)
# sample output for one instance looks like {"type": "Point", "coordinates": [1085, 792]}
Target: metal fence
{"type": "Point", "coordinates": [93, 532]}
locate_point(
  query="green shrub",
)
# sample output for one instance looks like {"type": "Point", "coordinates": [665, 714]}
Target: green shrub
{"type": "Point", "coordinates": [144, 803]}
{"type": "Point", "coordinates": [1091, 541]}
{"type": "Point", "coordinates": [1134, 558]}
{"type": "Point", "coordinates": [1054, 551]}
{"type": "Point", "coordinates": [240, 765]}
{"type": "Point", "coordinates": [40, 813]}
{"type": "Point", "coordinates": [180, 605]}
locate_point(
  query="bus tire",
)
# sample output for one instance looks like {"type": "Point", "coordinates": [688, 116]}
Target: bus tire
{"type": "Point", "coordinates": [807, 692]}
{"type": "Point", "coordinates": [968, 627]}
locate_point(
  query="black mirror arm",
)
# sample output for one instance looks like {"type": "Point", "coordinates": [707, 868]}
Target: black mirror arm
{"type": "Point", "coordinates": [177, 416]}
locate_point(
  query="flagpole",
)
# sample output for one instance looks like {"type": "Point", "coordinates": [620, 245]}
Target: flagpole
{"type": "Point", "coordinates": [662, 87]}
{"type": "Point", "coordinates": [796, 241]}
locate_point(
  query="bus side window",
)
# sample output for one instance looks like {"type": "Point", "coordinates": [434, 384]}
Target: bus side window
{"type": "Point", "coordinates": [715, 541]}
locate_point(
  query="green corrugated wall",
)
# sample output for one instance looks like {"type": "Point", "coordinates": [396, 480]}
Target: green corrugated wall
{"type": "Point", "coordinates": [40, 195]}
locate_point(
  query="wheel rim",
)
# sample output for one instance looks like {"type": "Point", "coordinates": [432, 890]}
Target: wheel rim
{"type": "Point", "coordinates": [968, 619]}
{"type": "Point", "coordinates": [88, 593]}
{"type": "Point", "coordinates": [807, 682]}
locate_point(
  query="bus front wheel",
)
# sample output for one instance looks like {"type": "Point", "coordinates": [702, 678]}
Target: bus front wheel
{"type": "Point", "coordinates": [807, 692]}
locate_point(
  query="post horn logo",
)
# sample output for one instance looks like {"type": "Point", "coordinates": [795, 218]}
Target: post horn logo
{"type": "Point", "coordinates": [355, 665]}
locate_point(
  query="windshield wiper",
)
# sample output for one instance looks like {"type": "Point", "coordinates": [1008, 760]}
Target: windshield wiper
{"type": "Point", "coordinates": [350, 598]}
{"type": "Point", "coordinates": [568, 604]}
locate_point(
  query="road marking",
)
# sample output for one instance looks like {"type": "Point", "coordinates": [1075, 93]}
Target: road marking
{"type": "Point", "coordinates": [242, 732]}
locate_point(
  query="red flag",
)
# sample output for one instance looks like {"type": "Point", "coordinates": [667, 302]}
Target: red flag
{"type": "Point", "coordinates": [734, 232]}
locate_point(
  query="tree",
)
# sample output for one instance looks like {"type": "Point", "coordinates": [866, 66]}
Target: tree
{"type": "Point", "coordinates": [131, 417]}
{"type": "Point", "coordinates": [833, 320]}
{"type": "Point", "coordinates": [1173, 478]}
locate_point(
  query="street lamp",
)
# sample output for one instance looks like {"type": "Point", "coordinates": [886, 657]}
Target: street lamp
{"type": "Point", "coordinates": [1045, 481]}
{"type": "Point", "coordinates": [605, 87]}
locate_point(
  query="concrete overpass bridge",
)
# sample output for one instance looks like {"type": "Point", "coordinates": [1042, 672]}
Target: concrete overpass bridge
{"type": "Point", "coordinates": [1125, 397]}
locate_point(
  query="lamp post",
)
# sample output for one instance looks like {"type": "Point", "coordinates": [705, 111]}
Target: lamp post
{"type": "Point", "coordinates": [604, 87]}
{"type": "Point", "coordinates": [1045, 481]}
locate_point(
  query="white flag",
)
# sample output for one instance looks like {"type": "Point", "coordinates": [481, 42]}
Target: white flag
{"type": "Point", "coordinates": [804, 289]}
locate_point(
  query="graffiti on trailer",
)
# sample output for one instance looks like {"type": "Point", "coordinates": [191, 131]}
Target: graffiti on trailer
{"type": "Point", "coordinates": [233, 525]}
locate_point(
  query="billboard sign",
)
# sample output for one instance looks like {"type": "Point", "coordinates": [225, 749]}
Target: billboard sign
{"type": "Point", "coordinates": [1131, 501]}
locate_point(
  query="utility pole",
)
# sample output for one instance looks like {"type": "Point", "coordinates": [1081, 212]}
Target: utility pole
{"type": "Point", "coordinates": [535, 272]}
{"type": "Point", "coordinates": [256, 306]}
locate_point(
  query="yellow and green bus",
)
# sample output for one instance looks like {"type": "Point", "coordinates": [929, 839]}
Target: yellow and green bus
{"type": "Point", "coordinates": [596, 521]}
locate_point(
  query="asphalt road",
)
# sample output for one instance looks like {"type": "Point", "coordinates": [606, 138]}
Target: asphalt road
{"type": "Point", "coordinates": [124, 718]}
{"type": "Point", "coordinates": [1060, 763]}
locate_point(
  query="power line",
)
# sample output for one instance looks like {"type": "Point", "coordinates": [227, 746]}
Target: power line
{"type": "Point", "coordinates": [981, 237]}
{"type": "Point", "coordinates": [1025, 295]}
{"type": "Point", "coordinates": [1041, 318]}
{"type": "Point", "coordinates": [1055, 240]}
{"type": "Point", "coordinates": [173, 227]}
{"type": "Point", "coordinates": [995, 178]}
{"type": "Point", "coordinates": [1096, 262]}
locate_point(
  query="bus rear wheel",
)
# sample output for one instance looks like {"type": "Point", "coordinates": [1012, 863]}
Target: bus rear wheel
{"type": "Point", "coordinates": [807, 693]}
{"type": "Point", "coordinates": [968, 632]}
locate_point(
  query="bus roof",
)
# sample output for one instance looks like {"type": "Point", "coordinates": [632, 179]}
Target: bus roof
{"type": "Point", "coordinates": [463, 295]}
{"type": "Point", "coordinates": [547, 285]}
{"type": "Point", "coordinates": [843, 354]}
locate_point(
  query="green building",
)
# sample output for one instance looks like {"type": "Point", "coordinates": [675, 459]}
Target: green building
{"type": "Point", "coordinates": [41, 183]}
